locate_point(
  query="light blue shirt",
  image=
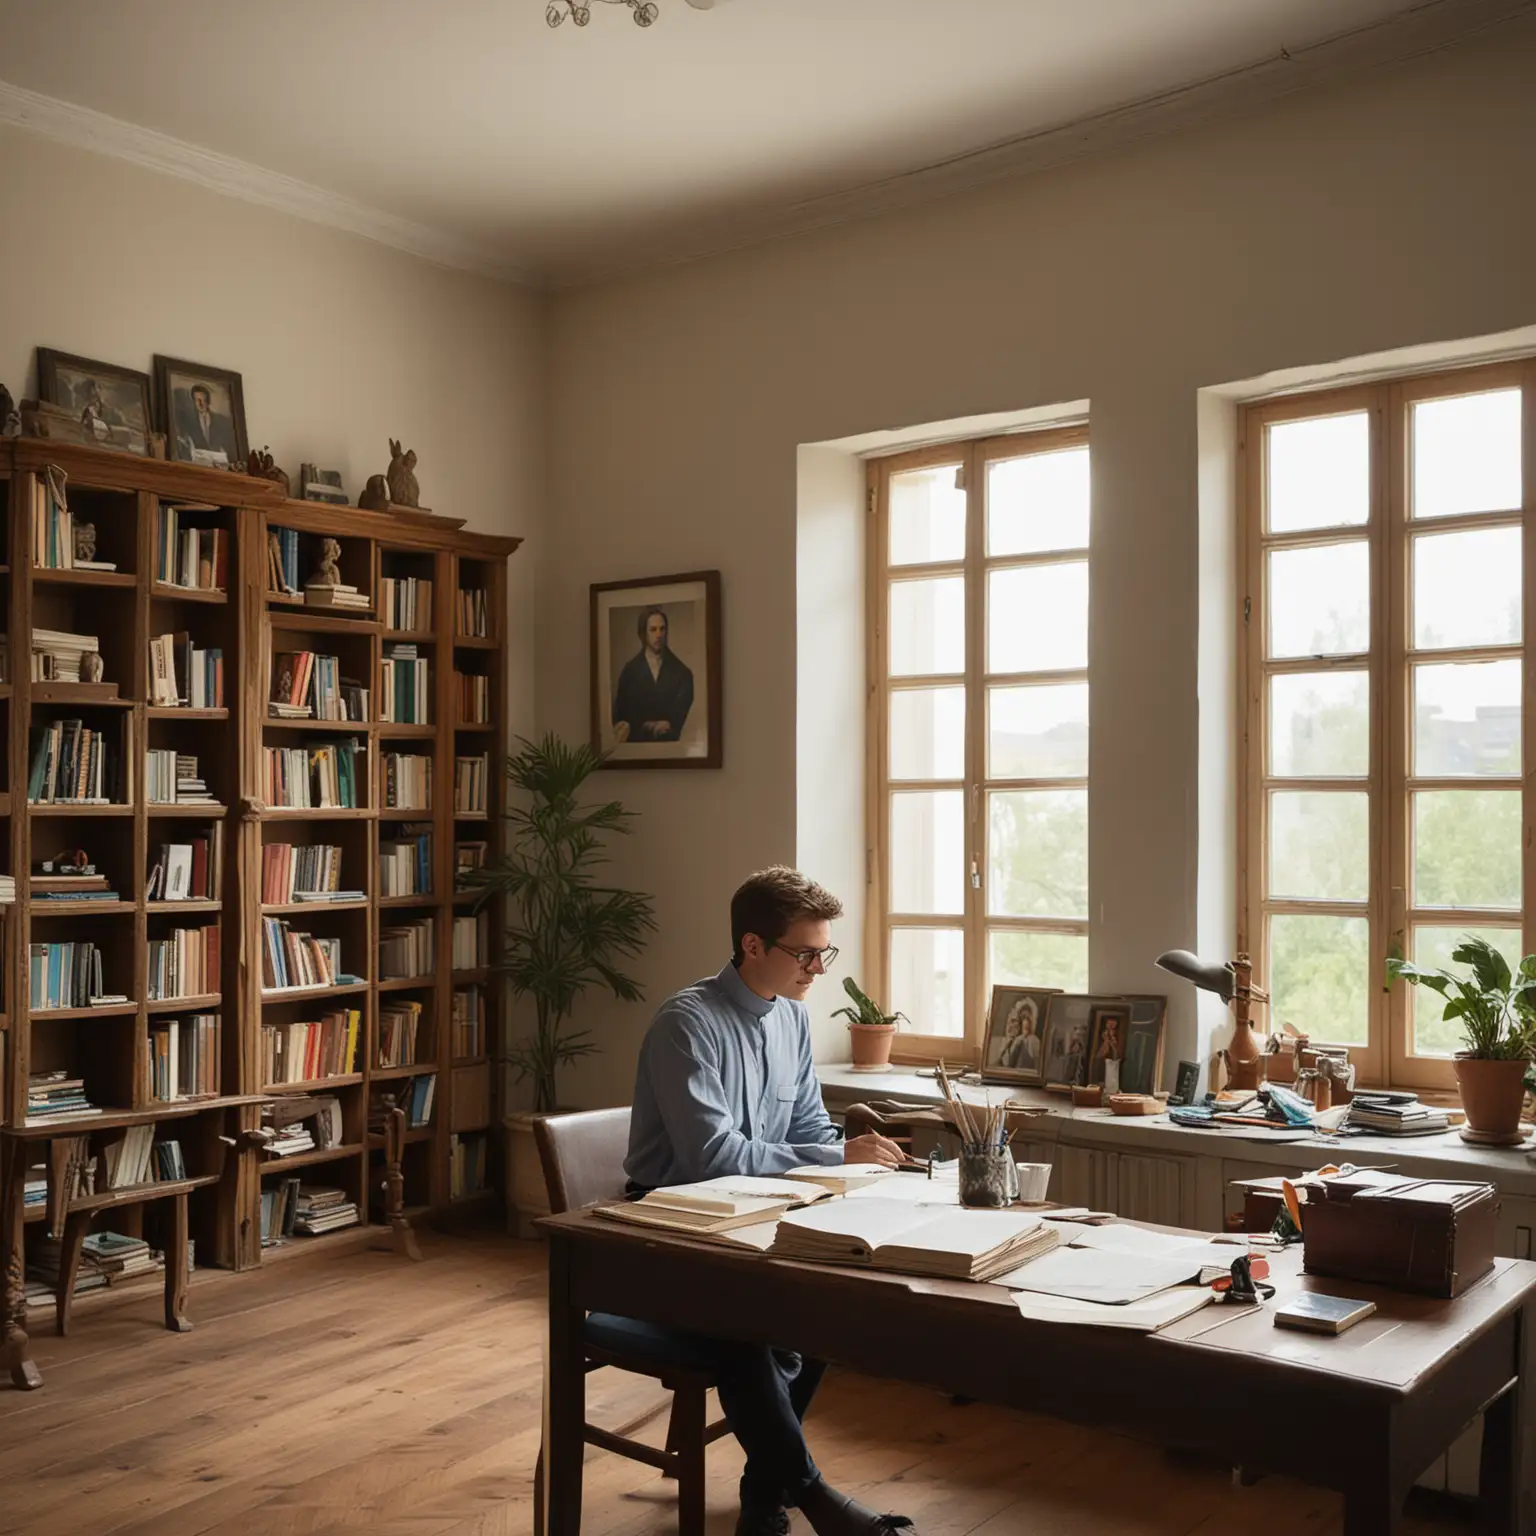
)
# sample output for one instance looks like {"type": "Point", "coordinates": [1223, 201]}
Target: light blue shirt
{"type": "Point", "coordinates": [725, 1085]}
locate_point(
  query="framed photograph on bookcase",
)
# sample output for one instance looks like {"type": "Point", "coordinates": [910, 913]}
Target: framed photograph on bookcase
{"type": "Point", "coordinates": [110, 403]}
{"type": "Point", "coordinates": [202, 412]}
{"type": "Point", "coordinates": [656, 673]}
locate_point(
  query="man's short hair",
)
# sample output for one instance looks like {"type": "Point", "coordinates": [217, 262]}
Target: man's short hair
{"type": "Point", "coordinates": [772, 901]}
{"type": "Point", "coordinates": [204, 391]}
{"type": "Point", "coordinates": [643, 622]}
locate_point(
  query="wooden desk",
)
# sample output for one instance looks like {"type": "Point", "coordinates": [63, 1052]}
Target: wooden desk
{"type": "Point", "coordinates": [1363, 1413]}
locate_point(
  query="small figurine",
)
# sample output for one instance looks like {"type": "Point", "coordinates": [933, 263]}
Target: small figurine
{"type": "Point", "coordinates": [262, 467]}
{"type": "Point", "coordinates": [403, 489]}
{"type": "Point", "coordinates": [92, 667]}
{"type": "Point", "coordinates": [328, 573]}
{"type": "Point", "coordinates": [10, 417]}
{"type": "Point", "coordinates": [157, 445]}
{"type": "Point", "coordinates": [85, 543]}
{"type": "Point", "coordinates": [375, 497]}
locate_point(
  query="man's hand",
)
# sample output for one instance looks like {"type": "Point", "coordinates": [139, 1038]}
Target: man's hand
{"type": "Point", "coordinates": [873, 1148]}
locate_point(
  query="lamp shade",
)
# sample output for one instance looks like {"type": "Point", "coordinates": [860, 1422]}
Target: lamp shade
{"type": "Point", "coordinates": [1206, 976]}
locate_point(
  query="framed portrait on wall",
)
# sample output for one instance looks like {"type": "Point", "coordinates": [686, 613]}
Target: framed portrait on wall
{"type": "Point", "coordinates": [202, 410]}
{"type": "Point", "coordinates": [656, 678]}
{"type": "Point", "coordinates": [111, 403]}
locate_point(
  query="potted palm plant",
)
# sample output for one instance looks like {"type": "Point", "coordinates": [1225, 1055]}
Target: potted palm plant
{"type": "Point", "coordinates": [870, 1029]}
{"type": "Point", "coordinates": [565, 932]}
{"type": "Point", "coordinates": [1497, 1010]}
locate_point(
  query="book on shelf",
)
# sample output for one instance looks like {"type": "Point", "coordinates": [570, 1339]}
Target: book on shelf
{"type": "Point", "coordinates": [414, 1095]}
{"type": "Point", "coordinates": [471, 940]}
{"type": "Point", "coordinates": [474, 698]}
{"type": "Point", "coordinates": [57, 1096]}
{"type": "Point", "coordinates": [172, 778]}
{"type": "Point", "coordinates": [307, 685]}
{"type": "Point", "coordinates": [129, 1160]}
{"type": "Point", "coordinates": [1398, 1115]}
{"type": "Point", "coordinates": [105, 1258]}
{"type": "Point", "coordinates": [466, 1165]}
{"type": "Point", "coordinates": [57, 654]}
{"type": "Point", "coordinates": [300, 872]}
{"type": "Point", "coordinates": [321, 1208]}
{"type": "Point", "coordinates": [67, 975]}
{"type": "Point", "coordinates": [405, 602]}
{"type": "Point", "coordinates": [197, 558]}
{"type": "Point", "coordinates": [53, 525]}
{"type": "Point", "coordinates": [408, 949]}
{"type": "Point", "coordinates": [189, 871]}
{"type": "Point", "coordinates": [405, 862]}
{"type": "Point", "coordinates": [185, 963]}
{"type": "Point", "coordinates": [279, 1203]}
{"type": "Point", "coordinates": [471, 614]}
{"type": "Point", "coordinates": [283, 561]}
{"type": "Point", "coordinates": [404, 686]}
{"type": "Point", "coordinates": [183, 675]}
{"type": "Point", "coordinates": [7, 890]}
{"type": "Point", "coordinates": [319, 594]}
{"type": "Point", "coordinates": [321, 776]}
{"type": "Point", "coordinates": [467, 1022]}
{"type": "Point", "coordinates": [407, 781]}
{"type": "Point", "coordinates": [170, 1165]}
{"type": "Point", "coordinates": [398, 1024]}
{"type": "Point", "coordinates": [471, 775]}
{"type": "Point", "coordinates": [75, 764]}
{"type": "Point", "coordinates": [292, 960]}
{"type": "Point", "coordinates": [468, 857]}
{"type": "Point", "coordinates": [184, 1057]}
{"type": "Point", "coordinates": [308, 1050]}
{"type": "Point", "coordinates": [303, 1123]}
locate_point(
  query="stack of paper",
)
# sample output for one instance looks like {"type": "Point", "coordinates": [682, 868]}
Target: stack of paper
{"type": "Point", "coordinates": [714, 1205]}
{"type": "Point", "coordinates": [913, 1239]}
{"type": "Point", "coordinates": [1119, 1264]}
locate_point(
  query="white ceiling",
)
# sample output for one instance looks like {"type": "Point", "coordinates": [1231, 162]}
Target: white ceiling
{"type": "Point", "coordinates": [560, 153]}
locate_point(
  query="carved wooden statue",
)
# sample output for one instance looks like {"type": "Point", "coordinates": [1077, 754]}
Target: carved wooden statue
{"type": "Point", "coordinates": [328, 572]}
{"type": "Point", "coordinates": [10, 417]}
{"type": "Point", "coordinates": [403, 489]}
{"type": "Point", "coordinates": [261, 466]}
{"type": "Point", "coordinates": [85, 543]}
{"type": "Point", "coordinates": [375, 496]}
{"type": "Point", "coordinates": [92, 667]}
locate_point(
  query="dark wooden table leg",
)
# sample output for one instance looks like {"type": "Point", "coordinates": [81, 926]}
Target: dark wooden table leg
{"type": "Point", "coordinates": [13, 1312]}
{"type": "Point", "coordinates": [76, 1226]}
{"type": "Point", "coordinates": [565, 1390]}
{"type": "Point", "coordinates": [1373, 1511]}
{"type": "Point", "coordinates": [685, 1437]}
{"type": "Point", "coordinates": [1506, 1485]}
{"type": "Point", "coordinates": [176, 1267]}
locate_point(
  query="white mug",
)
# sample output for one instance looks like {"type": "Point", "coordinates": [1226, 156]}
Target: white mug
{"type": "Point", "coordinates": [1034, 1180]}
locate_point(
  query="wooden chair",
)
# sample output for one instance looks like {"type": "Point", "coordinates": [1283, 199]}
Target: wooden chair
{"type": "Point", "coordinates": [583, 1158]}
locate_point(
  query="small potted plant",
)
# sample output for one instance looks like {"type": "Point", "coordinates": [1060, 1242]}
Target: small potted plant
{"type": "Point", "coordinates": [1498, 1017]}
{"type": "Point", "coordinates": [870, 1028]}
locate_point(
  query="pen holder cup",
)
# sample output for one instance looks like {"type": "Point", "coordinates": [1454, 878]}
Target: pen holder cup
{"type": "Point", "coordinates": [988, 1178]}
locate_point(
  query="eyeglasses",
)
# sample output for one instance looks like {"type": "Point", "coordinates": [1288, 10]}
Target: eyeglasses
{"type": "Point", "coordinates": [808, 957]}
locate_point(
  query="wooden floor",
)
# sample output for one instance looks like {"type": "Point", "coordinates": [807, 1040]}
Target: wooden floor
{"type": "Point", "coordinates": [359, 1392]}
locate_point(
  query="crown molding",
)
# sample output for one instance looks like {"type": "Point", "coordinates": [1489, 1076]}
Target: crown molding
{"type": "Point", "coordinates": [1427, 28]}
{"type": "Point", "coordinates": [84, 128]}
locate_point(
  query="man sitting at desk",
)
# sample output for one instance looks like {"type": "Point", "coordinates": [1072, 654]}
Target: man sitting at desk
{"type": "Point", "coordinates": [725, 1085]}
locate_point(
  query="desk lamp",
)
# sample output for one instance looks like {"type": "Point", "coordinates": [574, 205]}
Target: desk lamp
{"type": "Point", "coordinates": [1233, 984]}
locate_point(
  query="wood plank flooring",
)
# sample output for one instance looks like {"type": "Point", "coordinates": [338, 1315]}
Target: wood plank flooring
{"type": "Point", "coordinates": [354, 1391]}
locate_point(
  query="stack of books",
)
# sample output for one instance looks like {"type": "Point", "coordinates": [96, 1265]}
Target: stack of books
{"type": "Point", "coordinates": [172, 778]}
{"type": "Point", "coordinates": [56, 655]}
{"type": "Point", "coordinates": [471, 940]}
{"type": "Point", "coordinates": [190, 557]}
{"type": "Point", "coordinates": [405, 862]}
{"type": "Point", "coordinates": [190, 871]}
{"type": "Point", "coordinates": [466, 1165]}
{"type": "Point", "coordinates": [471, 775]}
{"type": "Point", "coordinates": [183, 675]}
{"type": "Point", "coordinates": [322, 777]}
{"type": "Point", "coordinates": [407, 782]}
{"type": "Point", "coordinates": [184, 964]}
{"type": "Point", "coordinates": [56, 1096]}
{"type": "Point", "coordinates": [283, 560]}
{"type": "Point", "coordinates": [474, 698]}
{"type": "Point", "coordinates": [714, 1205]}
{"type": "Point", "coordinates": [290, 960]}
{"type": "Point", "coordinates": [82, 883]}
{"type": "Point", "coordinates": [319, 1209]}
{"type": "Point", "coordinates": [471, 615]}
{"type": "Point", "coordinates": [405, 602]}
{"type": "Point", "coordinates": [68, 976]}
{"type": "Point", "coordinates": [407, 949]}
{"type": "Point", "coordinates": [302, 1124]}
{"type": "Point", "coordinates": [303, 872]}
{"type": "Point", "coordinates": [398, 1023]}
{"type": "Point", "coordinates": [105, 1258]}
{"type": "Point", "coordinates": [184, 1058]}
{"type": "Point", "coordinates": [72, 764]}
{"type": "Point", "coordinates": [34, 1189]}
{"type": "Point", "coordinates": [468, 1023]}
{"type": "Point", "coordinates": [8, 890]}
{"type": "Point", "coordinates": [1394, 1114]}
{"type": "Point", "coordinates": [320, 595]}
{"type": "Point", "coordinates": [403, 686]}
{"type": "Point", "coordinates": [306, 1051]}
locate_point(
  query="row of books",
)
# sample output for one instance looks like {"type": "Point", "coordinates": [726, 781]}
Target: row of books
{"type": "Point", "coordinates": [405, 602]}
{"type": "Point", "coordinates": [407, 949]}
{"type": "Point", "coordinates": [53, 526]}
{"type": "Point", "coordinates": [57, 654]}
{"type": "Point", "coordinates": [190, 557]}
{"type": "Point", "coordinates": [184, 964]}
{"type": "Point", "coordinates": [404, 687]}
{"type": "Point", "coordinates": [172, 778]}
{"type": "Point", "coordinates": [279, 1207]}
{"type": "Point", "coordinates": [307, 1050]}
{"type": "Point", "coordinates": [307, 685]}
{"type": "Point", "coordinates": [130, 1160]}
{"type": "Point", "coordinates": [74, 764]}
{"type": "Point", "coordinates": [405, 862]}
{"type": "Point", "coordinates": [474, 692]}
{"type": "Point", "coordinates": [471, 940]}
{"type": "Point", "coordinates": [399, 1023]}
{"type": "Point", "coordinates": [318, 777]}
{"type": "Point", "coordinates": [189, 871]}
{"type": "Point", "coordinates": [290, 959]}
{"type": "Point", "coordinates": [184, 675]}
{"type": "Point", "coordinates": [67, 976]}
{"type": "Point", "coordinates": [283, 560]}
{"type": "Point", "coordinates": [184, 1057]}
{"type": "Point", "coordinates": [56, 1096]}
{"type": "Point", "coordinates": [471, 776]}
{"type": "Point", "coordinates": [467, 1023]}
{"type": "Point", "coordinates": [303, 872]}
{"type": "Point", "coordinates": [471, 617]}
{"type": "Point", "coordinates": [466, 1165]}
{"type": "Point", "coordinates": [407, 781]}
{"type": "Point", "coordinates": [415, 1096]}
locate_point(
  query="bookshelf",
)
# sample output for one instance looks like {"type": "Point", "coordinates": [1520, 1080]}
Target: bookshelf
{"type": "Point", "coordinates": [188, 599]}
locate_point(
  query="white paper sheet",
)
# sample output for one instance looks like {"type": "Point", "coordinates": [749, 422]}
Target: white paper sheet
{"type": "Point", "coordinates": [1098, 1274]}
{"type": "Point", "coordinates": [1146, 1316]}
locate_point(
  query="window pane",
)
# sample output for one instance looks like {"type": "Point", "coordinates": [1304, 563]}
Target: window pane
{"type": "Point", "coordinates": [928, 851]}
{"type": "Point", "coordinates": [1433, 1034]}
{"type": "Point", "coordinates": [1038, 851]}
{"type": "Point", "coordinates": [1466, 719]}
{"type": "Point", "coordinates": [927, 626]}
{"type": "Point", "coordinates": [1466, 454]}
{"type": "Point", "coordinates": [1320, 724]}
{"type": "Point", "coordinates": [1320, 600]}
{"type": "Point", "coordinates": [1319, 846]}
{"type": "Point", "coordinates": [1319, 976]}
{"type": "Point", "coordinates": [928, 733]}
{"type": "Point", "coordinates": [927, 516]}
{"type": "Point", "coordinates": [1466, 848]}
{"type": "Point", "coordinates": [1037, 618]}
{"type": "Point", "coordinates": [1466, 588]}
{"type": "Point", "coordinates": [1319, 472]}
{"type": "Point", "coordinates": [1038, 503]}
{"type": "Point", "coordinates": [1039, 960]}
{"type": "Point", "coordinates": [1038, 733]}
{"type": "Point", "coordinates": [928, 979]}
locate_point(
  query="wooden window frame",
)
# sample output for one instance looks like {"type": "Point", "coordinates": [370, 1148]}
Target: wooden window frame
{"type": "Point", "coordinates": [973, 458]}
{"type": "Point", "coordinates": [1387, 1058]}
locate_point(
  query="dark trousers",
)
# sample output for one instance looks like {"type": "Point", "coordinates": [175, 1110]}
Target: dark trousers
{"type": "Point", "coordinates": [765, 1393]}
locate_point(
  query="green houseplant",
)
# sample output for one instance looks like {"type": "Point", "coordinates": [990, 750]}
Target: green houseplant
{"type": "Point", "coordinates": [1497, 1010]}
{"type": "Point", "coordinates": [870, 1028]}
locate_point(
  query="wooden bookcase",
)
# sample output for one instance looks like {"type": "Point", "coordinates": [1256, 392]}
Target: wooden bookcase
{"type": "Point", "coordinates": [110, 1046]}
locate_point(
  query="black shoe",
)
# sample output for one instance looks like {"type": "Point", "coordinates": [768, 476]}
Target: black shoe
{"type": "Point", "coordinates": [762, 1522]}
{"type": "Point", "coordinates": [834, 1514]}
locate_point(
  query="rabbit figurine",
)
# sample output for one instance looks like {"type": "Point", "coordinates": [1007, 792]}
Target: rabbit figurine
{"type": "Point", "coordinates": [403, 489]}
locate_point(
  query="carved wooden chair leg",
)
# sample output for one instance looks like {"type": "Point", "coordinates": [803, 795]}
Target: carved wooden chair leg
{"type": "Point", "coordinates": [76, 1225]}
{"type": "Point", "coordinates": [176, 1275]}
{"type": "Point", "coordinates": [401, 1234]}
{"type": "Point", "coordinates": [15, 1347]}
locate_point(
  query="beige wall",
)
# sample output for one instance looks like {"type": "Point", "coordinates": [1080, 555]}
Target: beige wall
{"type": "Point", "coordinates": [341, 343]}
{"type": "Point", "coordinates": [1390, 213]}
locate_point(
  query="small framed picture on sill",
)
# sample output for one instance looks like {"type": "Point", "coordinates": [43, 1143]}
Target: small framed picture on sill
{"type": "Point", "coordinates": [1015, 1048]}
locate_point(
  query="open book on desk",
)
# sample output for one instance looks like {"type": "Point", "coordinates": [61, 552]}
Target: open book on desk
{"type": "Point", "coordinates": [714, 1205]}
{"type": "Point", "coordinates": [913, 1239]}
{"type": "Point", "coordinates": [1119, 1264]}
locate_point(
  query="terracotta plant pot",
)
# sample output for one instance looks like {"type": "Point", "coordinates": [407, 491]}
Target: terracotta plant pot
{"type": "Point", "coordinates": [872, 1044]}
{"type": "Point", "coordinates": [1492, 1093]}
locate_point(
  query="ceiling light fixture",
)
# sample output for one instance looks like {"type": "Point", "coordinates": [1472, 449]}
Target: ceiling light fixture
{"type": "Point", "coordinates": [580, 11]}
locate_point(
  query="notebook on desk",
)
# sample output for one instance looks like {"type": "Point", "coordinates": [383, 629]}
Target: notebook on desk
{"type": "Point", "coordinates": [714, 1205]}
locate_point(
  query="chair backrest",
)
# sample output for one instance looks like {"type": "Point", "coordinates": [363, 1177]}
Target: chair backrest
{"type": "Point", "coordinates": [583, 1156]}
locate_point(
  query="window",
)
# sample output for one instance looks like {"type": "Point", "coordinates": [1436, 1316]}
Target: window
{"type": "Point", "coordinates": [978, 728]}
{"type": "Point", "coordinates": [1384, 807]}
